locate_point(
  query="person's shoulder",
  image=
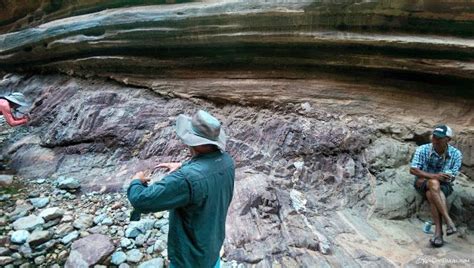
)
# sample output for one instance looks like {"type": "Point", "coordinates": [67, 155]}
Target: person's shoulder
{"type": "Point", "coordinates": [227, 155]}
{"type": "Point", "coordinates": [454, 150]}
{"type": "Point", "coordinates": [425, 147]}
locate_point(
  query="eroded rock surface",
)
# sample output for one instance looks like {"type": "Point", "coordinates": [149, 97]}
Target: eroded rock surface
{"type": "Point", "coordinates": [312, 181]}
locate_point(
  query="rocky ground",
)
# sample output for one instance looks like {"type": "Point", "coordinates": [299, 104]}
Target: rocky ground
{"type": "Point", "coordinates": [51, 223]}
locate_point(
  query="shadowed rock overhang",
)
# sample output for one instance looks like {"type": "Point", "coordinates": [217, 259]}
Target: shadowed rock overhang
{"type": "Point", "coordinates": [395, 40]}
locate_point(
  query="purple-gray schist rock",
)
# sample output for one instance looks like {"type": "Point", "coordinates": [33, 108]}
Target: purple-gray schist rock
{"type": "Point", "coordinates": [89, 250]}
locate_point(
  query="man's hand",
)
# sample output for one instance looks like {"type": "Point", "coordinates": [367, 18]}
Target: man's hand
{"type": "Point", "coordinates": [171, 166]}
{"type": "Point", "coordinates": [442, 177]}
{"type": "Point", "coordinates": [141, 176]}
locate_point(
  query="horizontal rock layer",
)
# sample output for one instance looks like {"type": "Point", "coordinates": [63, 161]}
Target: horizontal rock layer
{"type": "Point", "coordinates": [255, 40]}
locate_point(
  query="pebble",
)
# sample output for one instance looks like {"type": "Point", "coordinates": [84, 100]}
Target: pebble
{"type": "Point", "coordinates": [62, 256]}
{"type": "Point", "coordinates": [134, 256]}
{"type": "Point", "coordinates": [38, 237]}
{"type": "Point", "coordinates": [34, 194]}
{"type": "Point", "coordinates": [6, 180]}
{"type": "Point", "coordinates": [63, 229]}
{"type": "Point", "coordinates": [100, 218]}
{"type": "Point", "coordinates": [39, 260]}
{"type": "Point", "coordinates": [83, 222]}
{"type": "Point", "coordinates": [125, 242]}
{"type": "Point", "coordinates": [153, 263]}
{"type": "Point", "coordinates": [28, 223]}
{"type": "Point", "coordinates": [4, 260]}
{"type": "Point", "coordinates": [39, 202]}
{"type": "Point", "coordinates": [67, 218]}
{"type": "Point", "coordinates": [70, 237]}
{"type": "Point", "coordinates": [4, 251]}
{"type": "Point", "coordinates": [107, 221]}
{"type": "Point", "coordinates": [16, 256]}
{"type": "Point", "coordinates": [20, 236]}
{"type": "Point", "coordinates": [51, 213]}
{"type": "Point", "coordinates": [5, 197]}
{"type": "Point", "coordinates": [118, 258]}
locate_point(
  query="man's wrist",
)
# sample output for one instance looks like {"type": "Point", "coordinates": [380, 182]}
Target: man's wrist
{"type": "Point", "coordinates": [138, 180]}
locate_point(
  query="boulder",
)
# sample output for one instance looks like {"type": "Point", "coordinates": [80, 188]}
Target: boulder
{"type": "Point", "coordinates": [388, 153]}
{"type": "Point", "coordinates": [67, 183]}
{"type": "Point", "coordinates": [89, 250]}
{"type": "Point", "coordinates": [395, 196]}
{"type": "Point", "coordinates": [462, 207]}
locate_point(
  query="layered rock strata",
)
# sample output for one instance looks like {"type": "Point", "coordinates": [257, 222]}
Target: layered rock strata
{"type": "Point", "coordinates": [301, 39]}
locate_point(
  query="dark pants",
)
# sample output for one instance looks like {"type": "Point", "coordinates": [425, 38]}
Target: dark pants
{"type": "Point", "coordinates": [445, 187]}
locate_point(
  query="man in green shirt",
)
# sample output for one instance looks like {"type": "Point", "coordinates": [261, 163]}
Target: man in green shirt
{"type": "Point", "coordinates": [197, 193]}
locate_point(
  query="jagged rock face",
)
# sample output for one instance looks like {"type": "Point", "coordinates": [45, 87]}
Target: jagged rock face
{"type": "Point", "coordinates": [307, 174]}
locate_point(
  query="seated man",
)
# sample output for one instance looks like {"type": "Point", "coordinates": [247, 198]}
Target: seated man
{"type": "Point", "coordinates": [435, 166]}
{"type": "Point", "coordinates": [10, 104]}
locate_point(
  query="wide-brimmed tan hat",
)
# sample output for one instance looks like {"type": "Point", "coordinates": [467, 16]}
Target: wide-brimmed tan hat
{"type": "Point", "coordinates": [17, 98]}
{"type": "Point", "coordinates": [201, 129]}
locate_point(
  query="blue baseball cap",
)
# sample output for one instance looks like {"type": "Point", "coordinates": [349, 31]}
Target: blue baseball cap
{"type": "Point", "coordinates": [442, 131]}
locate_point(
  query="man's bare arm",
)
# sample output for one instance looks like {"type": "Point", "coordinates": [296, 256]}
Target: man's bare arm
{"type": "Point", "coordinates": [430, 176]}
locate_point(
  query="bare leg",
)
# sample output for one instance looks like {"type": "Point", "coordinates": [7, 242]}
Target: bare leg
{"type": "Point", "coordinates": [434, 214]}
{"type": "Point", "coordinates": [434, 188]}
{"type": "Point", "coordinates": [448, 219]}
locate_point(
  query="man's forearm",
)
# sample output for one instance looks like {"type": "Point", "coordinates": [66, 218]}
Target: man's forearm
{"type": "Point", "coordinates": [420, 173]}
{"type": "Point", "coordinates": [430, 176]}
